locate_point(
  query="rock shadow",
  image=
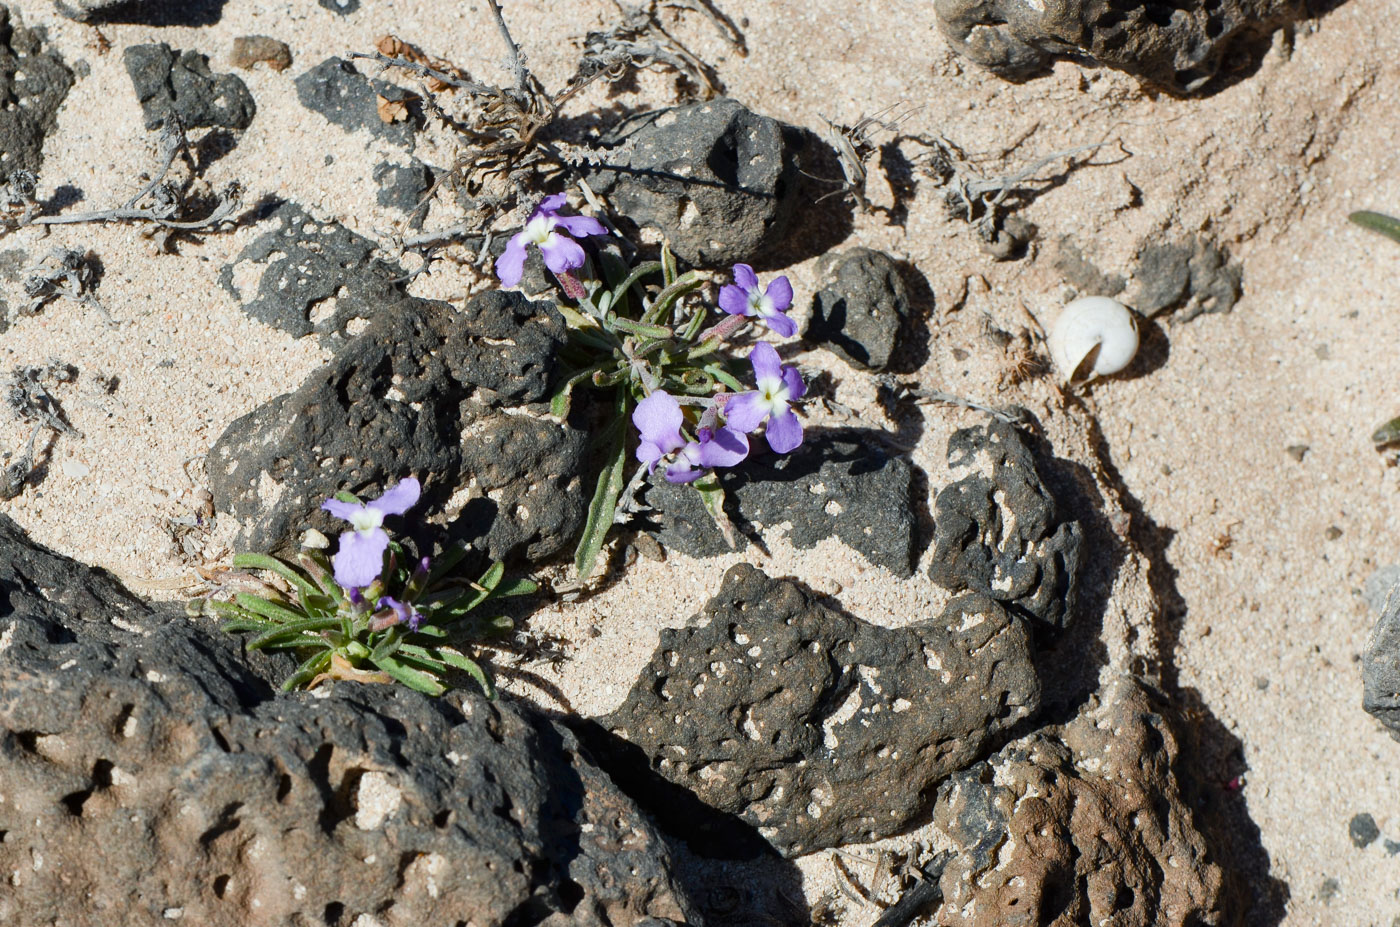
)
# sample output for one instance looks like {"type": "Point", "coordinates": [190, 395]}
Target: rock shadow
{"type": "Point", "coordinates": [189, 13]}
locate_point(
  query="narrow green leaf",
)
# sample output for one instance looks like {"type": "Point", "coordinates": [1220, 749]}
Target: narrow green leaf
{"type": "Point", "coordinates": [313, 666]}
{"type": "Point", "coordinates": [668, 264]}
{"type": "Point", "coordinates": [642, 329]}
{"type": "Point", "coordinates": [708, 346]}
{"type": "Point", "coordinates": [562, 400]}
{"type": "Point", "coordinates": [414, 679]}
{"type": "Point", "coordinates": [445, 562]}
{"type": "Point", "coordinates": [520, 586]}
{"type": "Point", "coordinates": [638, 272]}
{"type": "Point", "coordinates": [722, 375]}
{"type": "Point", "coordinates": [430, 631]}
{"type": "Point", "coordinates": [712, 495]}
{"type": "Point", "coordinates": [350, 497]}
{"type": "Point", "coordinates": [271, 610]}
{"type": "Point", "coordinates": [287, 633]}
{"type": "Point", "coordinates": [1377, 222]}
{"type": "Point", "coordinates": [692, 327]}
{"type": "Point", "coordinates": [489, 581]}
{"type": "Point", "coordinates": [388, 645]}
{"type": "Point", "coordinates": [605, 378]}
{"type": "Point", "coordinates": [273, 565]}
{"type": "Point", "coordinates": [229, 611]}
{"type": "Point", "coordinates": [603, 507]}
{"type": "Point", "coordinates": [1389, 433]}
{"type": "Point", "coordinates": [686, 284]}
{"type": "Point", "coordinates": [470, 667]}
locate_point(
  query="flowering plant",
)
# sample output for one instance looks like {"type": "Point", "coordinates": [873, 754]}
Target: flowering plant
{"type": "Point", "coordinates": [370, 614]}
{"type": "Point", "coordinates": [645, 334]}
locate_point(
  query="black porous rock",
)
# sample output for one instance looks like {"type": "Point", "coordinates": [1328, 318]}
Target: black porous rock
{"type": "Point", "coordinates": [33, 83]}
{"type": "Point", "coordinates": [832, 486]}
{"type": "Point", "coordinates": [403, 186]}
{"type": "Point", "coordinates": [456, 398]}
{"type": "Point", "coordinates": [349, 100]}
{"type": "Point", "coordinates": [816, 727]}
{"type": "Point", "coordinates": [715, 179]}
{"type": "Point", "coordinates": [1193, 274]}
{"type": "Point", "coordinates": [998, 531]}
{"type": "Point", "coordinates": [147, 761]}
{"type": "Point", "coordinates": [863, 308]}
{"type": "Point", "coordinates": [1177, 46]}
{"type": "Point", "coordinates": [343, 7]}
{"type": "Point", "coordinates": [313, 277]}
{"type": "Point", "coordinates": [1380, 668]}
{"type": "Point", "coordinates": [168, 82]}
{"type": "Point", "coordinates": [1362, 830]}
{"type": "Point", "coordinates": [1085, 824]}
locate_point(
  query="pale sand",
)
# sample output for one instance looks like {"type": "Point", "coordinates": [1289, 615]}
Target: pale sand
{"type": "Point", "coordinates": [1269, 166]}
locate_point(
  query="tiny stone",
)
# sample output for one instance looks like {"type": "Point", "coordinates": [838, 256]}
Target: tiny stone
{"type": "Point", "coordinates": [1261, 683]}
{"type": "Point", "coordinates": [76, 469]}
{"type": "Point", "coordinates": [1332, 533]}
{"type": "Point", "coordinates": [1297, 451]}
{"type": "Point", "coordinates": [1330, 889]}
{"type": "Point", "coordinates": [1391, 847]}
{"type": "Point", "coordinates": [1363, 830]}
{"type": "Point", "coordinates": [248, 50]}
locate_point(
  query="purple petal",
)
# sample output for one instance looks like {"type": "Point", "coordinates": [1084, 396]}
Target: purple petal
{"type": "Point", "coordinates": [725, 449]}
{"type": "Point", "coordinates": [550, 205]}
{"type": "Point", "coordinates": [581, 226]}
{"type": "Point", "coordinates": [683, 472]}
{"type": "Point", "coordinates": [793, 381]}
{"type": "Point", "coordinates": [510, 266]}
{"type": "Point", "coordinates": [784, 432]}
{"type": "Point", "coordinates": [780, 292]}
{"type": "Point", "coordinates": [746, 411]}
{"type": "Point", "coordinates": [360, 558]}
{"type": "Point", "coordinates": [658, 419]}
{"type": "Point", "coordinates": [649, 453]}
{"type": "Point", "coordinates": [398, 499]}
{"type": "Point", "coordinates": [734, 300]}
{"type": "Point", "coordinates": [342, 510]}
{"type": "Point", "coordinates": [745, 277]}
{"type": "Point", "coordinates": [561, 253]}
{"type": "Point", "coordinates": [398, 607]}
{"type": "Point", "coordinates": [764, 358]}
{"type": "Point", "coordinates": [781, 325]}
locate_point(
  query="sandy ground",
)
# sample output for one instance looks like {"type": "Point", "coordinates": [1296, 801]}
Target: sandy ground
{"type": "Point", "coordinates": [1262, 556]}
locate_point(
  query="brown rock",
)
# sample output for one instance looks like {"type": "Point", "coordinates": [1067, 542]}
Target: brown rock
{"type": "Point", "coordinates": [1087, 826]}
{"type": "Point", "coordinates": [248, 50]}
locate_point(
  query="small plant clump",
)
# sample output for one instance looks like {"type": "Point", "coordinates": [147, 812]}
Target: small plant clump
{"type": "Point", "coordinates": [370, 613]}
{"type": "Point", "coordinates": [643, 334]}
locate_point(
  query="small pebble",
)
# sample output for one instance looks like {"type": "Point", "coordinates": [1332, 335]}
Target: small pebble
{"type": "Point", "coordinates": [1297, 451]}
{"type": "Point", "coordinates": [248, 50]}
{"type": "Point", "coordinates": [1363, 830]}
{"type": "Point", "coordinates": [75, 468]}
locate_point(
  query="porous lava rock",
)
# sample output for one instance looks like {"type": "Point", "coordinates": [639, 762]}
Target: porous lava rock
{"type": "Point", "coordinates": [1380, 667]}
{"type": "Point", "coordinates": [862, 308]}
{"type": "Point", "coordinates": [1193, 274]}
{"type": "Point", "coordinates": [815, 726]}
{"type": "Point", "coordinates": [151, 775]}
{"type": "Point", "coordinates": [167, 81]}
{"type": "Point", "coordinates": [834, 486]}
{"type": "Point", "coordinates": [1085, 824]}
{"type": "Point", "coordinates": [999, 531]}
{"type": "Point", "coordinates": [350, 100]}
{"type": "Point", "coordinates": [33, 83]}
{"type": "Point", "coordinates": [716, 180]}
{"type": "Point", "coordinates": [312, 277]}
{"type": "Point", "coordinates": [457, 398]}
{"type": "Point", "coordinates": [1178, 46]}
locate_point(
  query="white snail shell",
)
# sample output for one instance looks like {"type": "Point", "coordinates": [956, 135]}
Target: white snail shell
{"type": "Point", "coordinates": [1093, 337]}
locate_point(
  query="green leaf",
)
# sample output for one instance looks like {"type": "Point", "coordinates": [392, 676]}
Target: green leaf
{"type": "Point", "coordinates": [642, 329]}
{"type": "Point", "coordinates": [314, 666]}
{"type": "Point", "coordinates": [430, 631]}
{"type": "Point", "coordinates": [241, 625]}
{"type": "Point", "coordinates": [470, 667]}
{"type": "Point", "coordinates": [388, 645]}
{"type": "Point", "coordinates": [414, 679]}
{"type": "Point", "coordinates": [273, 565]}
{"type": "Point", "coordinates": [708, 346]}
{"type": "Point", "coordinates": [668, 264]}
{"type": "Point", "coordinates": [302, 633]}
{"type": "Point", "coordinates": [641, 270]}
{"type": "Point", "coordinates": [350, 497]}
{"type": "Point", "coordinates": [446, 562]}
{"type": "Point", "coordinates": [722, 375]}
{"type": "Point", "coordinates": [712, 495]}
{"type": "Point", "coordinates": [1377, 222]}
{"type": "Point", "coordinates": [603, 507]}
{"type": "Point", "coordinates": [273, 611]}
{"type": "Point", "coordinates": [488, 582]}
{"type": "Point", "coordinates": [692, 327]}
{"type": "Point", "coordinates": [232, 612]}
{"type": "Point", "coordinates": [562, 400]}
{"type": "Point", "coordinates": [604, 378]}
{"type": "Point", "coordinates": [520, 586]}
{"type": "Point", "coordinates": [686, 284]}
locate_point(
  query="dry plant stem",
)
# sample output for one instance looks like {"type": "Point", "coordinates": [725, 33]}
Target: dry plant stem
{"type": "Point", "coordinates": [385, 61]}
{"type": "Point", "coordinates": [952, 399]}
{"type": "Point", "coordinates": [517, 66]}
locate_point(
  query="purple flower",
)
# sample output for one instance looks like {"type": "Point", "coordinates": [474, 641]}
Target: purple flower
{"type": "Point", "coordinates": [778, 387]}
{"type": "Point", "coordinates": [744, 298]}
{"type": "Point", "coordinates": [361, 555]}
{"type": "Point", "coordinates": [404, 612]}
{"type": "Point", "coordinates": [658, 418]}
{"type": "Point", "coordinates": [545, 228]}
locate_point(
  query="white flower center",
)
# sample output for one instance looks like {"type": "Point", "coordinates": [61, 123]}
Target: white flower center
{"type": "Point", "coordinates": [366, 519]}
{"type": "Point", "coordinates": [760, 303]}
{"type": "Point", "coordinates": [539, 229]}
{"type": "Point", "coordinates": [774, 394]}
